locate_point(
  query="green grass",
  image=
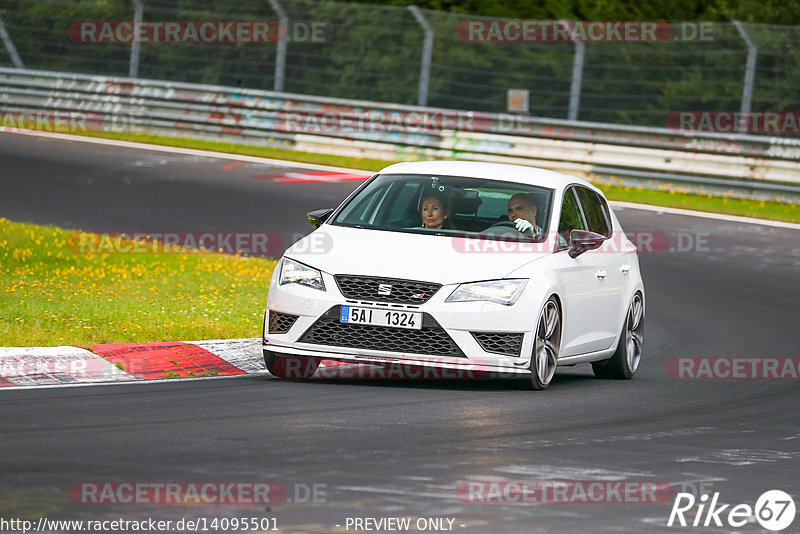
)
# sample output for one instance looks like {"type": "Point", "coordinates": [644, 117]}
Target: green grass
{"type": "Point", "coordinates": [760, 209]}
{"type": "Point", "coordinates": [51, 294]}
{"type": "Point", "coordinates": [673, 197]}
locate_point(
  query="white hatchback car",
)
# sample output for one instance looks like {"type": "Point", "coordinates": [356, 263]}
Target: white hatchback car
{"type": "Point", "coordinates": [438, 265]}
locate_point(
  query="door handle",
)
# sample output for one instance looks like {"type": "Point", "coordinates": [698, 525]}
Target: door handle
{"type": "Point", "coordinates": [601, 274]}
{"type": "Point", "coordinates": [625, 269]}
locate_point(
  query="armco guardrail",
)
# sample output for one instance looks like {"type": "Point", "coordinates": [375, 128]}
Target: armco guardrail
{"type": "Point", "coordinates": [386, 131]}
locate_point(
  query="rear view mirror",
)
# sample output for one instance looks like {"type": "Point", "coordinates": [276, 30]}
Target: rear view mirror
{"type": "Point", "coordinates": [582, 240]}
{"type": "Point", "coordinates": [317, 217]}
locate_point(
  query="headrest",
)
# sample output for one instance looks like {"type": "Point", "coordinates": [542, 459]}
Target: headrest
{"type": "Point", "coordinates": [467, 202]}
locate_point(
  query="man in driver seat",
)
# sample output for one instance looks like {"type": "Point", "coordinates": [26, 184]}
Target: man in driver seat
{"type": "Point", "coordinates": [522, 212]}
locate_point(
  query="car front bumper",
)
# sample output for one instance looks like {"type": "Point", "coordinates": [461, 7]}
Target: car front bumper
{"type": "Point", "coordinates": [459, 321]}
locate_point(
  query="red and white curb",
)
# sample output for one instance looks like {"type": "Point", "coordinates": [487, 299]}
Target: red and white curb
{"type": "Point", "coordinates": [127, 362]}
{"type": "Point", "coordinates": [25, 367]}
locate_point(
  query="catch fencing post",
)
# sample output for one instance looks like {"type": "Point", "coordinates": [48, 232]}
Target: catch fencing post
{"type": "Point", "coordinates": [12, 50]}
{"type": "Point", "coordinates": [133, 69]}
{"type": "Point", "coordinates": [280, 53]}
{"type": "Point", "coordinates": [749, 74]}
{"type": "Point", "coordinates": [427, 52]}
{"type": "Point", "coordinates": [577, 75]}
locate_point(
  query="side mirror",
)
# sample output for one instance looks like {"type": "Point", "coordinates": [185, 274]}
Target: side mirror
{"type": "Point", "coordinates": [582, 240]}
{"type": "Point", "coordinates": [317, 217]}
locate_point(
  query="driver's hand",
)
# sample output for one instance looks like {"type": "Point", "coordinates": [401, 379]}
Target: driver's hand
{"type": "Point", "coordinates": [524, 226]}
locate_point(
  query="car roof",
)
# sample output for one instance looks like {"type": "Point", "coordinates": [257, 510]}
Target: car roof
{"type": "Point", "coordinates": [494, 171]}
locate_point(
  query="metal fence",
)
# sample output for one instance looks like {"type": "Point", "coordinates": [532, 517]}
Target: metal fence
{"type": "Point", "coordinates": [77, 103]}
{"type": "Point", "coordinates": [413, 56]}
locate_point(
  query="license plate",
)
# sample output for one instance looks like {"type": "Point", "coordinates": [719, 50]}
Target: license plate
{"type": "Point", "coordinates": [379, 317]}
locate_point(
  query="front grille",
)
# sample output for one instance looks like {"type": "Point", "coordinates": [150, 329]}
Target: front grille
{"type": "Point", "coordinates": [402, 291]}
{"type": "Point", "coordinates": [499, 343]}
{"type": "Point", "coordinates": [432, 339]}
{"type": "Point", "coordinates": [280, 323]}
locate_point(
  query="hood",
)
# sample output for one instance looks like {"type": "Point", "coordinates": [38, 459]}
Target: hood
{"type": "Point", "coordinates": [441, 259]}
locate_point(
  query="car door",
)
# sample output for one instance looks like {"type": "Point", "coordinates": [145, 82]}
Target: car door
{"type": "Point", "coordinates": [598, 220]}
{"type": "Point", "coordinates": [582, 286]}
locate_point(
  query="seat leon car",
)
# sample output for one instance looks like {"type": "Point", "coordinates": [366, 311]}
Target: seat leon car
{"type": "Point", "coordinates": [476, 268]}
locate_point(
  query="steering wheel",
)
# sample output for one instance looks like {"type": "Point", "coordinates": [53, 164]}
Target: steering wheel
{"type": "Point", "coordinates": [502, 224]}
{"type": "Point", "coordinates": [509, 225]}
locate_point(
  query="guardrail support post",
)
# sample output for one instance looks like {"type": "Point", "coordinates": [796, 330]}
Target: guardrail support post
{"type": "Point", "coordinates": [280, 53]}
{"type": "Point", "coordinates": [12, 50]}
{"type": "Point", "coordinates": [577, 75]}
{"type": "Point", "coordinates": [749, 73]}
{"type": "Point", "coordinates": [427, 52]}
{"type": "Point", "coordinates": [133, 67]}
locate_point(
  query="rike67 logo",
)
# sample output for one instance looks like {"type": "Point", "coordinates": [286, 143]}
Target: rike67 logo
{"type": "Point", "coordinates": [774, 510]}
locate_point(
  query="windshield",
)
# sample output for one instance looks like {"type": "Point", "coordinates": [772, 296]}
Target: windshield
{"type": "Point", "coordinates": [449, 205]}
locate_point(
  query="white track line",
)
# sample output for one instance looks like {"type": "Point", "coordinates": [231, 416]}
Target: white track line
{"type": "Point", "coordinates": [705, 215]}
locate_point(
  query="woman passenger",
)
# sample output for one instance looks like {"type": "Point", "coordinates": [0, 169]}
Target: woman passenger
{"type": "Point", "coordinates": [436, 212]}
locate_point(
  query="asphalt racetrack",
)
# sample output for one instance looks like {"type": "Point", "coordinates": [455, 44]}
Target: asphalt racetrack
{"type": "Point", "coordinates": [379, 449]}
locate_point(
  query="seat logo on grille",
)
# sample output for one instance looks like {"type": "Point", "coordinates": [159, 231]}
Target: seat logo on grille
{"type": "Point", "coordinates": [384, 289]}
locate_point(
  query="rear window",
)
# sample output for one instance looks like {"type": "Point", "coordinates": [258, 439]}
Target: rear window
{"type": "Point", "coordinates": [596, 211]}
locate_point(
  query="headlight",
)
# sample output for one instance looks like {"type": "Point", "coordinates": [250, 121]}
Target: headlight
{"type": "Point", "coordinates": [504, 292]}
{"type": "Point", "coordinates": [293, 272]}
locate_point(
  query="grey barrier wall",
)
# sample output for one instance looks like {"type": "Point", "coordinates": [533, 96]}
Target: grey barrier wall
{"type": "Point", "coordinates": [379, 130]}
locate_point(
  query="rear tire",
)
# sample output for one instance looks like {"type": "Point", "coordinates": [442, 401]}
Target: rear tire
{"type": "Point", "coordinates": [625, 361]}
{"type": "Point", "coordinates": [546, 346]}
{"type": "Point", "coordinates": [290, 366]}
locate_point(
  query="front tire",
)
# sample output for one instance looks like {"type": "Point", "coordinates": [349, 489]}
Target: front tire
{"type": "Point", "coordinates": [625, 361]}
{"type": "Point", "coordinates": [546, 346]}
{"type": "Point", "coordinates": [290, 366]}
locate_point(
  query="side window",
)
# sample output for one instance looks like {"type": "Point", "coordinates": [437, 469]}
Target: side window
{"type": "Point", "coordinates": [604, 207]}
{"type": "Point", "coordinates": [571, 218]}
{"type": "Point", "coordinates": [596, 211]}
